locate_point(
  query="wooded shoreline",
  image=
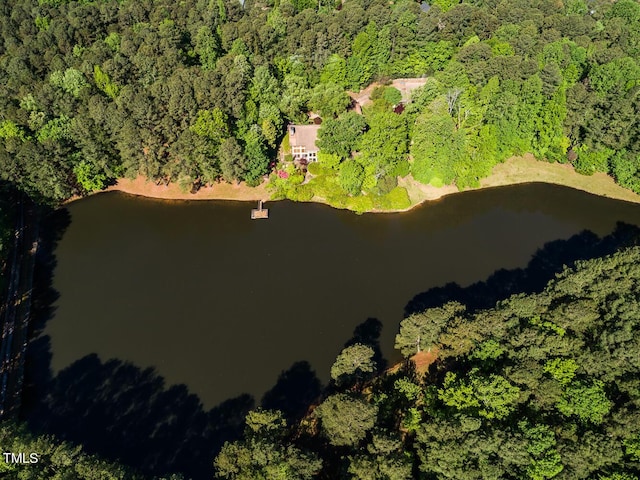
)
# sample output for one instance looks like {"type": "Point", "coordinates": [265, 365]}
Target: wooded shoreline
{"type": "Point", "coordinates": [515, 170]}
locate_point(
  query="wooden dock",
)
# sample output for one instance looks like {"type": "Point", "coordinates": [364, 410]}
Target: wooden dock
{"type": "Point", "coordinates": [259, 212]}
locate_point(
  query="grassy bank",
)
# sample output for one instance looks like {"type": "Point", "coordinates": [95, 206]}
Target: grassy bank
{"type": "Point", "coordinates": [527, 169]}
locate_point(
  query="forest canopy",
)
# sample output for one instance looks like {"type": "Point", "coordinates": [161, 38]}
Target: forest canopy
{"type": "Point", "coordinates": [200, 91]}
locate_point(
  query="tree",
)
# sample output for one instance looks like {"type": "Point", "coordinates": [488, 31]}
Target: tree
{"type": "Point", "coordinates": [328, 100]}
{"type": "Point", "coordinates": [546, 462]}
{"type": "Point", "coordinates": [392, 95]}
{"type": "Point", "coordinates": [9, 129]}
{"type": "Point", "coordinates": [265, 452]}
{"type": "Point", "coordinates": [265, 422]}
{"type": "Point", "coordinates": [295, 96]}
{"type": "Point", "coordinates": [632, 447]}
{"type": "Point", "coordinates": [55, 459]}
{"type": "Point", "coordinates": [422, 330]}
{"type": "Point", "coordinates": [437, 147]}
{"type": "Point", "coordinates": [361, 64]}
{"type": "Point", "coordinates": [384, 461]}
{"type": "Point", "coordinates": [618, 476]}
{"type": "Point", "coordinates": [346, 420]}
{"type": "Point", "coordinates": [615, 77]}
{"type": "Point", "coordinates": [264, 87]}
{"type": "Point", "coordinates": [256, 153]}
{"type": "Point", "coordinates": [71, 81]}
{"type": "Point", "coordinates": [562, 369]}
{"type": "Point", "coordinates": [489, 397]}
{"type": "Point", "coordinates": [384, 146]}
{"type": "Point", "coordinates": [89, 177]}
{"type": "Point", "coordinates": [262, 459]}
{"type": "Point", "coordinates": [334, 71]}
{"type": "Point", "coordinates": [104, 83]}
{"type": "Point", "coordinates": [353, 362]}
{"type": "Point", "coordinates": [588, 402]}
{"type": "Point", "coordinates": [233, 163]}
{"type": "Point", "coordinates": [55, 130]}
{"type": "Point", "coordinates": [341, 136]}
{"type": "Point", "coordinates": [207, 47]}
{"type": "Point", "coordinates": [211, 124]}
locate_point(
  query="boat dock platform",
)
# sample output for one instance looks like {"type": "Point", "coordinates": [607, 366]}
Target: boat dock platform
{"type": "Point", "coordinates": [259, 212]}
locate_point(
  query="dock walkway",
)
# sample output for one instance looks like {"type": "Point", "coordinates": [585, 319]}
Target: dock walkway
{"type": "Point", "coordinates": [259, 212]}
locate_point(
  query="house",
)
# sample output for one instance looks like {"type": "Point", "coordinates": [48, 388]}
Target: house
{"type": "Point", "coordinates": [302, 139]}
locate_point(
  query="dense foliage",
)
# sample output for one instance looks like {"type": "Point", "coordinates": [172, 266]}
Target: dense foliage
{"type": "Point", "coordinates": [56, 460]}
{"type": "Point", "coordinates": [200, 90]}
{"type": "Point", "coordinates": [542, 386]}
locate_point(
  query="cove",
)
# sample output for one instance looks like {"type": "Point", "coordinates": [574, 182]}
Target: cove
{"type": "Point", "coordinates": [224, 304]}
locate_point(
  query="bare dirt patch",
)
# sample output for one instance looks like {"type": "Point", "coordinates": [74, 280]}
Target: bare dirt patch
{"type": "Point", "coordinates": [423, 360]}
{"type": "Point", "coordinates": [220, 191]}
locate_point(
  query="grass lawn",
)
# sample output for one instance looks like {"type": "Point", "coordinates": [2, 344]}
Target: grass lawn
{"type": "Point", "coordinates": [527, 169]}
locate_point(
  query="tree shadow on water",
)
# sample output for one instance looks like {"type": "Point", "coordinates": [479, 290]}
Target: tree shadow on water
{"type": "Point", "coordinates": [545, 264]}
{"type": "Point", "coordinates": [296, 389]}
{"type": "Point", "coordinates": [113, 408]}
{"type": "Point", "coordinates": [368, 333]}
{"type": "Point", "coordinates": [128, 414]}
{"type": "Point", "coordinates": [52, 227]}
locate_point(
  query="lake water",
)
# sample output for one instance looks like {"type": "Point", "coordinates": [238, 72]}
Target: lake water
{"type": "Point", "coordinates": [224, 304]}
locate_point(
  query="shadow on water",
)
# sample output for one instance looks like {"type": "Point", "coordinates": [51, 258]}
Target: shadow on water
{"type": "Point", "coordinates": [129, 414]}
{"type": "Point", "coordinates": [368, 333]}
{"type": "Point", "coordinates": [296, 389]}
{"type": "Point", "coordinates": [52, 228]}
{"type": "Point", "coordinates": [544, 265]}
{"type": "Point", "coordinates": [116, 409]}
{"type": "Point", "coordinates": [123, 412]}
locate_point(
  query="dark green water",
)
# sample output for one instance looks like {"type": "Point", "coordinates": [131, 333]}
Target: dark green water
{"type": "Point", "coordinates": [224, 304]}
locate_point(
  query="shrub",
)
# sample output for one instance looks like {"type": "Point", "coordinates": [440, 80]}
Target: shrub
{"type": "Point", "coordinates": [590, 161]}
{"type": "Point", "coordinates": [326, 186]}
{"type": "Point", "coordinates": [392, 95]}
{"type": "Point", "coordinates": [296, 179]}
{"type": "Point", "coordinates": [351, 177]}
{"type": "Point", "coordinates": [329, 160]}
{"type": "Point", "coordinates": [386, 185]}
{"type": "Point", "coordinates": [396, 199]}
{"type": "Point", "coordinates": [286, 146]}
{"type": "Point", "coordinates": [314, 168]}
{"type": "Point", "coordinates": [338, 200]}
{"type": "Point", "coordinates": [360, 204]}
{"type": "Point", "coordinates": [300, 193]}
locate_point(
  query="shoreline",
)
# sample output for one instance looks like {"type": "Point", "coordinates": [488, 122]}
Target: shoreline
{"type": "Point", "coordinates": [522, 170]}
{"type": "Point", "coordinates": [514, 171]}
